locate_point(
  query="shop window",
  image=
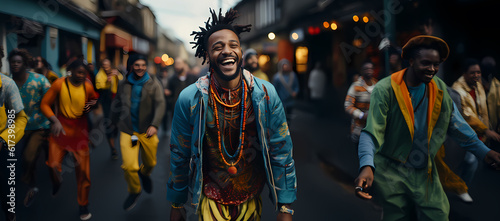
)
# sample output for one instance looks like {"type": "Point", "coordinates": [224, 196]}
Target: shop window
{"type": "Point", "coordinates": [301, 54]}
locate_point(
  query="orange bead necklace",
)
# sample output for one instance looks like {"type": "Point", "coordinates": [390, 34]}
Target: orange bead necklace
{"type": "Point", "coordinates": [232, 169]}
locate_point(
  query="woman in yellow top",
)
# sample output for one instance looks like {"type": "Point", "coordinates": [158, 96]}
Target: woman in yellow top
{"type": "Point", "coordinates": [106, 83]}
{"type": "Point", "coordinates": [76, 97]}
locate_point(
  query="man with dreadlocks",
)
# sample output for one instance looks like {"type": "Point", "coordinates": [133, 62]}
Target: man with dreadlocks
{"type": "Point", "coordinates": [229, 135]}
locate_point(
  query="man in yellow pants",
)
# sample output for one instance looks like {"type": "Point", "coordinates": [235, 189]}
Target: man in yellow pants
{"type": "Point", "coordinates": [12, 124]}
{"type": "Point", "coordinates": [140, 104]}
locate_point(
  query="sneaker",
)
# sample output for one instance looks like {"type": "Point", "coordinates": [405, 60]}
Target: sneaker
{"type": "Point", "coordinates": [131, 201]}
{"type": "Point", "coordinates": [30, 196]}
{"type": "Point", "coordinates": [147, 185]}
{"type": "Point", "coordinates": [114, 154]}
{"type": "Point", "coordinates": [465, 197]}
{"type": "Point", "coordinates": [84, 213]}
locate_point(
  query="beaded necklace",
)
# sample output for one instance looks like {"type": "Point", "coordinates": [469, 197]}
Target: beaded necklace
{"type": "Point", "coordinates": [232, 169]}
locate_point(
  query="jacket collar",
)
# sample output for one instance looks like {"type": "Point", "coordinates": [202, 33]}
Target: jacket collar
{"type": "Point", "coordinates": [434, 95]}
{"type": "Point", "coordinates": [461, 81]}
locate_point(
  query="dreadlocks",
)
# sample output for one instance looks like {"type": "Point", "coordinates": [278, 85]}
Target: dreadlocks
{"type": "Point", "coordinates": [218, 23]}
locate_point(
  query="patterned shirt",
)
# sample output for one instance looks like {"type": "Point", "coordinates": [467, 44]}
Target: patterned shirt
{"type": "Point", "coordinates": [218, 183]}
{"type": "Point", "coordinates": [9, 99]}
{"type": "Point", "coordinates": [32, 92]}
{"type": "Point", "coordinates": [357, 101]}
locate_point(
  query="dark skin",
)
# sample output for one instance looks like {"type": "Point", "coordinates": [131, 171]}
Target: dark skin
{"type": "Point", "coordinates": [77, 78]}
{"type": "Point", "coordinates": [367, 74]}
{"type": "Point", "coordinates": [472, 76]}
{"type": "Point", "coordinates": [18, 69]}
{"type": "Point", "coordinates": [224, 53]}
{"type": "Point", "coordinates": [422, 69]}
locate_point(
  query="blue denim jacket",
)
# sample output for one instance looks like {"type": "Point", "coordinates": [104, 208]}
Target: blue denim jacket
{"type": "Point", "coordinates": [188, 129]}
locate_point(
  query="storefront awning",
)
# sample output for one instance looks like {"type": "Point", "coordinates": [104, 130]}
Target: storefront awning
{"type": "Point", "coordinates": [51, 14]}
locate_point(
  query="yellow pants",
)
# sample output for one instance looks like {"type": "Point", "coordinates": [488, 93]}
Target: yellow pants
{"type": "Point", "coordinates": [250, 210]}
{"type": "Point", "coordinates": [130, 156]}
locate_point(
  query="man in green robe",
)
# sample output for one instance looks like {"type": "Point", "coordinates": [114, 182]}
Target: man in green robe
{"type": "Point", "coordinates": [410, 115]}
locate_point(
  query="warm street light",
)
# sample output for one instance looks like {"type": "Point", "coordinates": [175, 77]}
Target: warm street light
{"type": "Point", "coordinates": [271, 36]}
{"type": "Point", "coordinates": [334, 26]}
{"type": "Point", "coordinates": [157, 60]}
{"type": "Point", "coordinates": [164, 57]}
{"type": "Point", "coordinates": [295, 36]}
{"type": "Point", "coordinates": [326, 24]}
{"type": "Point", "coordinates": [365, 19]}
{"type": "Point", "coordinates": [355, 18]}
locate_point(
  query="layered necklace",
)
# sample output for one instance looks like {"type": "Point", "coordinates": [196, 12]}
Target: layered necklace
{"type": "Point", "coordinates": [222, 148]}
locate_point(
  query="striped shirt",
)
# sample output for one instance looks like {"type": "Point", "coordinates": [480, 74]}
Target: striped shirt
{"type": "Point", "coordinates": [357, 101]}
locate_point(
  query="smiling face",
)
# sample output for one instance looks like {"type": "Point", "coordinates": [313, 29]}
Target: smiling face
{"type": "Point", "coordinates": [224, 54]}
{"type": "Point", "coordinates": [472, 75]}
{"type": "Point", "coordinates": [139, 67]}
{"type": "Point", "coordinates": [425, 65]}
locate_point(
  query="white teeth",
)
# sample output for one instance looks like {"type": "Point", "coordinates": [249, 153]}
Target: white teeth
{"type": "Point", "coordinates": [228, 61]}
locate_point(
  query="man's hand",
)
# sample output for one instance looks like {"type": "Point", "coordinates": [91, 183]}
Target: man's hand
{"type": "Point", "coordinates": [89, 105]}
{"type": "Point", "coordinates": [364, 182]}
{"type": "Point", "coordinates": [493, 159]}
{"type": "Point", "coordinates": [113, 72]}
{"type": "Point", "coordinates": [284, 217]}
{"type": "Point", "coordinates": [56, 128]}
{"type": "Point", "coordinates": [365, 116]}
{"type": "Point", "coordinates": [177, 214]}
{"type": "Point", "coordinates": [167, 92]}
{"type": "Point", "coordinates": [493, 135]}
{"type": "Point", "coordinates": [151, 131]}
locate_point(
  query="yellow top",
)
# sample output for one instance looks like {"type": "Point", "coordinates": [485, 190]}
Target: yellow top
{"type": "Point", "coordinates": [101, 81]}
{"type": "Point", "coordinates": [72, 101]}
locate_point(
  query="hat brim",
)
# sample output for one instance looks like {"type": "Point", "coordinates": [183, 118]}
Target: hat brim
{"type": "Point", "coordinates": [426, 41]}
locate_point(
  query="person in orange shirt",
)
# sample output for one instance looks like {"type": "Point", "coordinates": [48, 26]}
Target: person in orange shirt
{"type": "Point", "coordinates": [76, 97]}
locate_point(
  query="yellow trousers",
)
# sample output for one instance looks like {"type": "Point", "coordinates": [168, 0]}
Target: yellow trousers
{"type": "Point", "coordinates": [130, 155]}
{"type": "Point", "coordinates": [250, 210]}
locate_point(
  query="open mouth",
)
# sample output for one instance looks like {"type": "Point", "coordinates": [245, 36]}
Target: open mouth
{"type": "Point", "coordinates": [227, 62]}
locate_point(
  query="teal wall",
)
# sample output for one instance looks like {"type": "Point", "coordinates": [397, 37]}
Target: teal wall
{"type": "Point", "coordinates": [51, 54]}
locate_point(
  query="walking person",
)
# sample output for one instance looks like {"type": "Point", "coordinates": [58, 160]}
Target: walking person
{"type": "Point", "coordinates": [180, 80]}
{"type": "Point", "coordinates": [43, 67]}
{"type": "Point", "coordinates": [317, 84]}
{"type": "Point", "coordinates": [32, 88]}
{"type": "Point", "coordinates": [222, 130]}
{"type": "Point", "coordinates": [357, 100]}
{"type": "Point", "coordinates": [474, 111]}
{"type": "Point", "coordinates": [13, 121]}
{"type": "Point", "coordinates": [75, 97]}
{"type": "Point", "coordinates": [251, 64]}
{"type": "Point", "coordinates": [410, 114]}
{"type": "Point", "coordinates": [106, 83]}
{"type": "Point", "coordinates": [140, 106]}
{"type": "Point", "coordinates": [286, 83]}
{"type": "Point", "coordinates": [493, 101]}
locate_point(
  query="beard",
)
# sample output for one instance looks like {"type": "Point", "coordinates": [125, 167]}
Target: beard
{"type": "Point", "coordinates": [221, 75]}
{"type": "Point", "coordinates": [251, 68]}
